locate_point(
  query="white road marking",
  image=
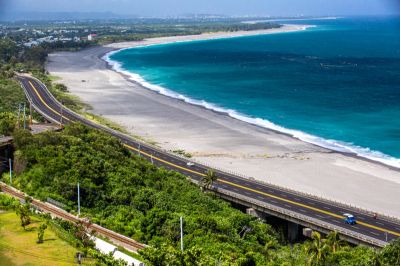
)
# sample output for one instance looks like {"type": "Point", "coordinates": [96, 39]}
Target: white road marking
{"type": "Point", "coordinates": [288, 206]}
{"type": "Point", "coordinates": [374, 233]}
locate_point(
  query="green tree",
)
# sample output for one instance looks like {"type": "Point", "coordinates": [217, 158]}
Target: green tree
{"type": "Point", "coordinates": [82, 233]}
{"type": "Point", "coordinates": [376, 259]}
{"type": "Point", "coordinates": [333, 241]}
{"type": "Point", "coordinates": [8, 48]}
{"type": "Point", "coordinates": [7, 123]}
{"type": "Point", "coordinates": [209, 179]}
{"type": "Point", "coordinates": [317, 250]}
{"type": "Point", "coordinates": [270, 248]}
{"type": "Point", "coordinates": [247, 260]}
{"type": "Point", "coordinates": [42, 228]}
{"type": "Point", "coordinates": [22, 137]}
{"type": "Point", "coordinates": [391, 253]}
{"type": "Point", "coordinates": [23, 212]}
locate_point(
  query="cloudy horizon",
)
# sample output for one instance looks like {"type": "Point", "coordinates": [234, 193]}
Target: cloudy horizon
{"type": "Point", "coordinates": [222, 7]}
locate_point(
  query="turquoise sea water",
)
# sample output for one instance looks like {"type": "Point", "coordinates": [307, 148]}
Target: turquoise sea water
{"type": "Point", "coordinates": [336, 84]}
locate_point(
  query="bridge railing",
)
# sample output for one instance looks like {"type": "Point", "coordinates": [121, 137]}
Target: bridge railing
{"type": "Point", "coordinates": [304, 218]}
{"type": "Point", "coordinates": [321, 198]}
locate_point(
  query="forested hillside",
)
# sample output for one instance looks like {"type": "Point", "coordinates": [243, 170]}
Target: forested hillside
{"type": "Point", "coordinates": [125, 193]}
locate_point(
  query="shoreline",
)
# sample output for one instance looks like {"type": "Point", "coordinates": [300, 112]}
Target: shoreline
{"type": "Point", "coordinates": [222, 141]}
{"type": "Point", "coordinates": [344, 148]}
{"type": "Point", "coordinates": [224, 113]}
{"type": "Point", "coordinates": [285, 28]}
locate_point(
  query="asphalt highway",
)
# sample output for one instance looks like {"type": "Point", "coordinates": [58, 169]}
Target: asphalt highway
{"type": "Point", "coordinates": [327, 212]}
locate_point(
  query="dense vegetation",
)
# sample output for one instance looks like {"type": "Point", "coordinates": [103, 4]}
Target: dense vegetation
{"type": "Point", "coordinates": [125, 193]}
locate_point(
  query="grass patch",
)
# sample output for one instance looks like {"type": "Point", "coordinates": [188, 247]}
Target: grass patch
{"type": "Point", "coordinates": [54, 78]}
{"type": "Point", "coordinates": [19, 247]}
{"type": "Point", "coordinates": [104, 121]}
{"type": "Point", "coordinates": [183, 153]}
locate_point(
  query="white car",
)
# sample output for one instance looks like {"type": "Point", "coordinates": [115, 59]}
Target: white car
{"type": "Point", "coordinates": [189, 164]}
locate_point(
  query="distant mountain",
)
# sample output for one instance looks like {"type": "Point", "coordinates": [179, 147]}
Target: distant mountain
{"type": "Point", "coordinates": [26, 16]}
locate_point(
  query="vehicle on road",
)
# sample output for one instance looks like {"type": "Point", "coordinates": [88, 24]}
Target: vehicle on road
{"type": "Point", "coordinates": [189, 164]}
{"type": "Point", "coordinates": [349, 219]}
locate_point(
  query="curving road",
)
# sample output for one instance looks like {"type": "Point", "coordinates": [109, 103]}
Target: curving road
{"type": "Point", "coordinates": [377, 231]}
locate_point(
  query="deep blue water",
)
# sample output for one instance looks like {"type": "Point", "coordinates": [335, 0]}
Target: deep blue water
{"type": "Point", "coordinates": [339, 81]}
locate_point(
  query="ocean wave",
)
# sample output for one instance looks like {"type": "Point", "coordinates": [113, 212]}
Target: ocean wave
{"type": "Point", "coordinates": [330, 144]}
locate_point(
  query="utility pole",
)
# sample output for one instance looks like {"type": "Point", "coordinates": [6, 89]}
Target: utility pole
{"type": "Point", "coordinates": [181, 219]}
{"type": "Point", "coordinates": [19, 114]}
{"type": "Point", "coordinates": [151, 157]}
{"type": "Point", "coordinates": [386, 236]}
{"type": "Point", "coordinates": [24, 116]}
{"type": "Point", "coordinates": [79, 202]}
{"type": "Point", "coordinates": [10, 165]}
{"type": "Point", "coordinates": [139, 150]}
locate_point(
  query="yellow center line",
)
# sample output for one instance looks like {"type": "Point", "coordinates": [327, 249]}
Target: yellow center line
{"type": "Point", "coordinates": [164, 161]}
{"type": "Point", "coordinates": [230, 183]}
{"type": "Point", "coordinates": [263, 193]}
{"type": "Point", "coordinates": [41, 99]}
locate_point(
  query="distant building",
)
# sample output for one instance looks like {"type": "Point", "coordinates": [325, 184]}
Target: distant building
{"type": "Point", "coordinates": [31, 43]}
{"type": "Point", "coordinates": [91, 36]}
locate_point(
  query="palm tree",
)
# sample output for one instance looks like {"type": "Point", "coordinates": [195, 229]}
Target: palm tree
{"type": "Point", "coordinates": [333, 241]}
{"type": "Point", "coordinates": [317, 249]}
{"type": "Point", "coordinates": [209, 179]}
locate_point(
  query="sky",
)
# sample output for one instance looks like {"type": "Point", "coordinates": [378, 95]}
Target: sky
{"type": "Point", "coordinates": [223, 7]}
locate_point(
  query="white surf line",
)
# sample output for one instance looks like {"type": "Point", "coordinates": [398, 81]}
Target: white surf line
{"type": "Point", "coordinates": [334, 145]}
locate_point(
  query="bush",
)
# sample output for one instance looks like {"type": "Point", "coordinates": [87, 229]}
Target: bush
{"type": "Point", "coordinates": [7, 123]}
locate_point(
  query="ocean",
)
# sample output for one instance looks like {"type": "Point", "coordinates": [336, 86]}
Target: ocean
{"type": "Point", "coordinates": [336, 84]}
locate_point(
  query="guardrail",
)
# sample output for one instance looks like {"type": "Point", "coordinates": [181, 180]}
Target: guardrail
{"type": "Point", "coordinates": [301, 219]}
{"type": "Point", "coordinates": [337, 203]}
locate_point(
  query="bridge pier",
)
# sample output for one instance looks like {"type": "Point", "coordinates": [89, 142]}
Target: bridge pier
{"type": "Point", "coordinates": [260, 215]}
{"type": "Point", "coordinates": [6, 152]}
{"type": "Point", "coordinates": [292, 231]}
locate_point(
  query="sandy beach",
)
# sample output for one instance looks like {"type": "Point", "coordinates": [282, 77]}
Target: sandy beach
{"type": "Point", "coordinates": [219, 140]}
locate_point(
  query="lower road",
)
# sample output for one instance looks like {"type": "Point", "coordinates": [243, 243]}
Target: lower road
{"type": "Point", "coordinates": [374, 231]}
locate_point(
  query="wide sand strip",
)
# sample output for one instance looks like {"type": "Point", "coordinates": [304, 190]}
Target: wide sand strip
{"type": "Point", "coordinates": [222, 141]}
